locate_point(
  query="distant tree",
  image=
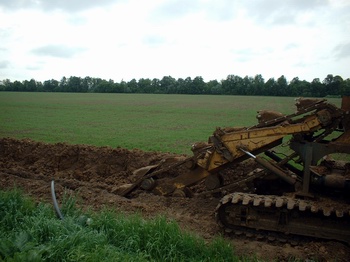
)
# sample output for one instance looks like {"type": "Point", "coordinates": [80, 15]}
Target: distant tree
{"type": "Point", "coordinates": [7, 85]}
{"type": "Point", "coordinates": [294, 87]}
{"type": "Point", "coordinates": [111, 86]}
{"type": "Point", "coordinates": [123, 87]}
{"type": "Point", "coordinates": [306, 89]}
{"type": "Point", "coordinates": [271, 87]}
{"type": "Point", "coordinates": [214, 87]}
{"type": "Point", "coordinates": [132, 86]}
{"type": "Point", "coordinates": [51, 86]}
{"type": "Point", "coordinates": [346, 87]}
{"type": "Point", "coordinates": [63, 85]}
{"type": "Point", "coordinates": [328, 80]}
{"type": "Point", "coordinates": [39, 86]}
{"type": "Point", "coordinates": [181, 86]}
{"type": "Point", "coordinates": [281, 86]}
{"type": "Point", "coordinates": [232, 85]}
{"type": "Point", "coordinates": [104, 86]}
{"type": "Point", "coordinates": [29, 86]}
{"type": "Point", "coordinates": [338, 83]}
{"type": "Point", "coordinates": [188, 85]}
{"type": "Point", "coordinates": [259, 83]}
{"type": "Point", "coordinates": [317, 88]}
{"type": "Point", "coordinates": [198, 86]}
{"type": "Point", "coordinates": [333, 84]}
{"type": "Point", "coordinates": [87, 84]}
{"type": "Point", "coordinates": [155, 86]}
{"type": "Point", "coordinates": [2, 86]}
{"type": "Point", "coordinates": [144, 85]}
{"type": "Point", "coordinates": [17, 86]}
{"type": "Point", "coordinates": [74, 84]}
{"type": "Point", "coordinates": [168, 85]}
{"type": "Point", "coordinates": [248, 87]}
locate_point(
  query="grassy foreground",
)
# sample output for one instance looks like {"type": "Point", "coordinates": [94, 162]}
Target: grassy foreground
{"type": "Point", "coordinates": [167, 123]}
{"type": "Point", "coordinates": [32, 232]}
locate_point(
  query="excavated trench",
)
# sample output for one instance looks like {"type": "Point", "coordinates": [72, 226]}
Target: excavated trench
{"type": "Point", "coordinates": [93, 174]}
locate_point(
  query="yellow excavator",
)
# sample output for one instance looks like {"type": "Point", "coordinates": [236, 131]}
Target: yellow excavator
{"type": "Point", "coordinates": [299, 192]}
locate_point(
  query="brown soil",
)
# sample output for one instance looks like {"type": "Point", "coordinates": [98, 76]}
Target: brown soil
{"type": "Point", "coordinates": [95, 173]}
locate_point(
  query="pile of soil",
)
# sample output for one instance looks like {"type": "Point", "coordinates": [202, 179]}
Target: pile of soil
{"type": "Point", "coordinates": [94, 174]}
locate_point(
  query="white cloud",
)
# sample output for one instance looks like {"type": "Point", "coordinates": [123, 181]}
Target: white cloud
{"type": "Point", "coordinates": [52, 5]}
{"type": "Point", "coordinates": [145, 39]}
{"type": "Point", "coordinates": [57, 51]}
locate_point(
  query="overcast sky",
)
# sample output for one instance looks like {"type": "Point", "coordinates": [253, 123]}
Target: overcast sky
{"type": "Point", "coordinates": [126, 39]}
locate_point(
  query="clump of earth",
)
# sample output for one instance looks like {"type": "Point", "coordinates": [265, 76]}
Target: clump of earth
{"type": "Point", "coordinates": [94, 175]}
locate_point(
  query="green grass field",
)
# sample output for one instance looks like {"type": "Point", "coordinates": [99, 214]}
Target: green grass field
{"type": "Point", "coordinates": [167, 123]}
{"type": "Point", "coordinates": [31, 232]}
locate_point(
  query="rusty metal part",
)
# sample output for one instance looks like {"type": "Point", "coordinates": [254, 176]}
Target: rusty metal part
{"type": "Point", "coordinates": [304, 103]}
{"type": "Point", "coordinates": [345, 105]}
{"type": "Point", "coordinates": [213, 181]}
{"type": "Point", "coordinates": [267, 115]}
{"type": "Point", "coordinates": [148, 184]}
{"type": "Point", "coordinates": [302, 108]}
{"type": "Point", "coordinates": [335, 181]}
{"type": "Point", "coordinates": [272, 168]}
{"type": "Point", "coordinates": [146, 173]}
{"type": "Point", "coordinates": [237, 184]}
{"type": "Point", "coordinates": [179, 193]}
{"type": "Point", "coordinates": [168, 186]}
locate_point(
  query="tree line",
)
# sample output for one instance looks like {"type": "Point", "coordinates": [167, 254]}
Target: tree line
{"type": "Point", "coordinates": [232, 85]}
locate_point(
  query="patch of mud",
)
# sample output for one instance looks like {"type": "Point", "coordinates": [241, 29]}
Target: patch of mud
{"type": "Point", "coordinates": [94, 174]}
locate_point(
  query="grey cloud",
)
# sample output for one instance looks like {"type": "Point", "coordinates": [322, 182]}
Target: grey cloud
{"type": "Point", "coordinates": [222, 10]}
{"type": "Point", "coordinates": [342, 50]}
{"type": "Point", "coordinates": [37, 64]}
{"type": "Point", "coordinates": [248, 54]}
{"type": "Point", "coordinates": [59, 51]}
{"type": "Point", "coordinates": [65, 5]}
{"type": "Point", "coordinates": [276, 12]}
{"type": "Point", "coordinates": [4, 64]}
{"type": "Point", "coordinates": [217, 10]}
{"type": "Point", "coordinates": [176, 8]}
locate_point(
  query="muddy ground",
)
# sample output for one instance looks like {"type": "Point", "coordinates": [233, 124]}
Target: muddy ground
{"type": "Point", "coordinates": [95, 173]}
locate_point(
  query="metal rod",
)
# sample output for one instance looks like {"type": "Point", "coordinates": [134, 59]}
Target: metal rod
{"type": "Point", "coordinates": [273, 168]}
{"type": "Point", "coordinates": [248, 153]}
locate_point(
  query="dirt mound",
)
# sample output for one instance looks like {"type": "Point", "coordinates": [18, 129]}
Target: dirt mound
{"type": "Point", "coordinates": [94, 174]}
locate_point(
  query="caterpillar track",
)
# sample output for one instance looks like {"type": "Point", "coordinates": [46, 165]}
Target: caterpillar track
{"type": "Point", "coordinates": [304, 192]}
{"type": "Point", "coordinates": [261, 215]}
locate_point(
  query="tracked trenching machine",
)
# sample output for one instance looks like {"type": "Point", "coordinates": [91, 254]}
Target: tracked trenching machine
{"type": "Point", "coordinates": [302, 191]}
